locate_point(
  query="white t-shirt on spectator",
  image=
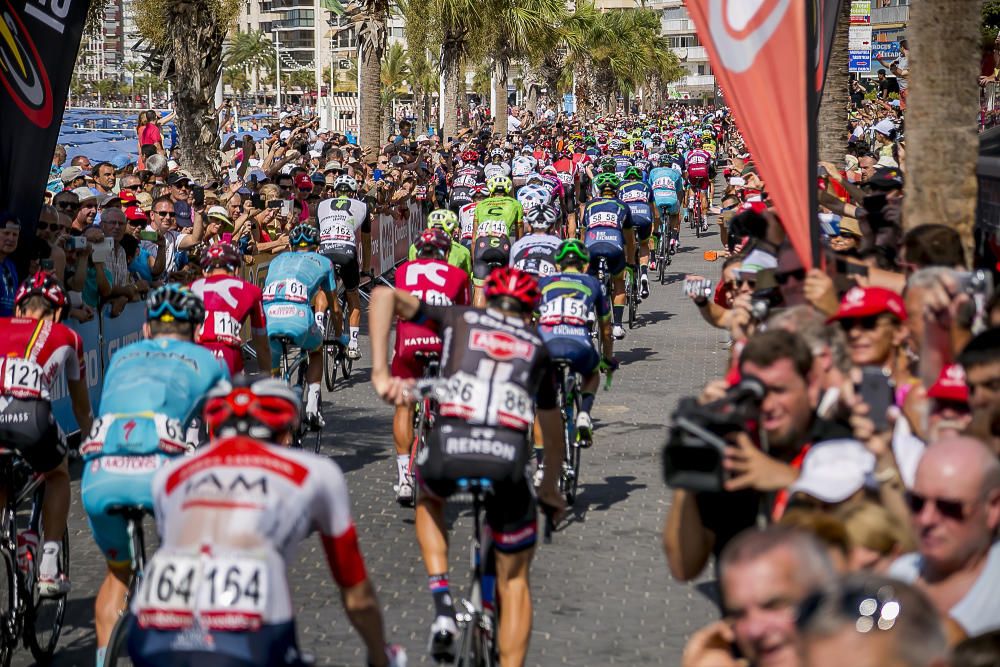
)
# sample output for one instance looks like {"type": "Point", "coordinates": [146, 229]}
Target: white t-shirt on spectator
{"type": "Point", "coordinates": [171, 239]}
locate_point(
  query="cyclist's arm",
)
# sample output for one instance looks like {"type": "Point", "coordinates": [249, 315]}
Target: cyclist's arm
{"type": "Point", "coordinates": [607, 341]}
{"type": "Point", "coordinates": [385, 304]}
{"type": "Point", "coordinates": [686, 541]}
{"type": "Point", "coordinates": [80, 398]}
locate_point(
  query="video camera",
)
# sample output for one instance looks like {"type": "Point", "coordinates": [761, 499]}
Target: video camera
{"type": "Point", "coordinates": [692, 457]}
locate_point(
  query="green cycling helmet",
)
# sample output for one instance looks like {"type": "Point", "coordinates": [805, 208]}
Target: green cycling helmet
{"type": "Point", "coordinates": [633, 174]}
{"type": "Point", "coordinates": [572, 248]}
{"type": "Point", "coordinates": [607, 182]}
{"type": "Point", "coordinates": [443, 219]}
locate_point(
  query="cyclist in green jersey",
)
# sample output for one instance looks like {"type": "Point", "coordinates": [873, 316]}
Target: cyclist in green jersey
{"type": "Point", "coordinates": [446, 220]}
{"type": "Point", "coordinates": [496, 225]}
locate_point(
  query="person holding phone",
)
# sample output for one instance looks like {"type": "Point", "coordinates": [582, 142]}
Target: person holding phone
{"type": "Point", "coordinates": [148, 265]}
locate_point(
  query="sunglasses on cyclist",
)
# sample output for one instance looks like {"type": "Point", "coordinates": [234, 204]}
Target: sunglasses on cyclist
{"type": "Point", "coordinates": [798, 274]}
{"type": "Point", "coordinates": [946, 507]}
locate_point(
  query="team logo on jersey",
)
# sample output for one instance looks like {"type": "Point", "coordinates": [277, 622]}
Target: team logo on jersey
{"type": "Point", "coordinates": [21, 70]}
{"type": "Point", "coordinates": [500, 346]}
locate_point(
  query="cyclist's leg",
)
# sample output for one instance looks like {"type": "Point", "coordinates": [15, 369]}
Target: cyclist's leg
{"type": "Point", "coordinates": [350, 274]}
{"type": "Point", "coordinates": [480, 271]}
{"type": "Point", "coordinates": [643, 234]}
{"type": "Point", "coordinates": [404, 365]}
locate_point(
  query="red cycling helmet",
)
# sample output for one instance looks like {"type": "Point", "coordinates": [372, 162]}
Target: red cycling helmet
{"type": "Point", "coordinates": [696, 143]}
{"type": "Point", "coordinates": [262, 408]}
{"type": "Point", "coordinates": [41, 284]}
{"type": "Point", "coordinates": [470, 156]}
{"type": "Point", "coordinates": [515, 284]}
{"type": "Point", "coordinates": [221, 255]}
{"type": "Point", "coordinates": [436, 238]}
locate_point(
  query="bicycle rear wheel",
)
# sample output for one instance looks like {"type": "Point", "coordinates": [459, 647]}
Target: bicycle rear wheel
{"type": "Point", "coordinates": [46, 622]}
{"type": "Point", "coordinates": [117, 654]}
{"type": "Point", "coordinates": [9, 584]}
{"type": "Point", "coordinates": [329, 355]}
{"type": "Point", "coordinates": [632, 297]}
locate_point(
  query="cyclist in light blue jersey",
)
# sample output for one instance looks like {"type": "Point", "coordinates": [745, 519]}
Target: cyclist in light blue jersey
{"type": "Point", "coordinates": [297, 283]}
{"type": "Point", "coordinates": [152, 390]}
{"type": "Point", "coordinates": [668, 186]}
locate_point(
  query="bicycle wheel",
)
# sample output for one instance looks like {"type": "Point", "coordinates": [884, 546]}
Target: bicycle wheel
{"type": "Point", "coordinates": [662, 256]}
{"type": "Point", "coordinates": [631, 296]}
{"type": "Point", "coordinates": [329, 355]}
{"type": "Point", "coordinates": [42, 631]}
{"type": "Point", "coordinates": [346, 363]}
{"type": "Point", "coordinates": [117, 654]}
{"type": "Point", "coordinates": [9, 617]}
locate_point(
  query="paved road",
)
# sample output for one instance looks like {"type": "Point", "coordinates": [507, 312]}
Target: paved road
{"type": "Point", "coordinates": [602, 591]}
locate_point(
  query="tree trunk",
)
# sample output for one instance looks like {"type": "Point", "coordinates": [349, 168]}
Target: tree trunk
{"type": "Point", "coordinates": [449, 104]}
{"type": "Point", "coordinates": [195, 38]}
{"type": "Point", "coordinates": [831, 125]}
{"type": "Point", "coordinates": [371, 43]}
{"type": "Point", "coordinates": [942, 110]}
{"type": "Point", "coordinates": [462, 97]}
{"type": "Point", "coordinates": [500, 112]}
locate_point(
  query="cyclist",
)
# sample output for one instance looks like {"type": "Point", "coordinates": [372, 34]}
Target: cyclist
{"type": "Point", "coordinates": [242, 506]}
{"type": "Point", "coordinates": [229, 301]}
{"type": "Point", "coordinates": [535, 192]}
{"type": "Point", "coordinates": [497, 166]}
{"type": "Point", "coordinates": [152, 390]}
{"type": "Point", "coordinates": [467, 214]}
{"type": "Point", "coordinates": [462, 186]}
{"type": "Point", "coordinates": [497, 222]}
{"type": "Point", "coordinates": [495, 374]}
{"type": "Point", "coordinates": [297, 282]}
{"type": "Point", "coordinates": [36, 350]}
{"type": "Point", "coordinates": [570, 297]}
{"type": "Point", "coordinates": [698, 162]}
{"type": "Point", "coordinates": [435, 282]}
{"type": "Point", "coordinates": [608, 233]}
{"type": "Point", "coordinates": [668, 186]}
{"type": "Point", "coordinates": [638, 196]}
{"type": "Point", "coordinates": [522, 166]}
{"type": "Point", "coordinates": [447, 222]}
{"type": "Point", "coordinates": [535, 252]}
{"type": "Point", "coordinates": [343, 222]}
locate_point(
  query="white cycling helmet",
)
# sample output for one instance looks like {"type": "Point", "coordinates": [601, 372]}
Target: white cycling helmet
{"type": "Point", "coordinates": [345, 181]}
{"type": "Point", "coordinates": [498, 152]}
{"type": "Point", "coordinates": [615, 145]}
{"type": "Point", "coordinates": [540, 216]}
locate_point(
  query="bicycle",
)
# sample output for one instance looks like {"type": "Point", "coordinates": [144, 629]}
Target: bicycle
{"type": "Point", "coordinates": [476, 647]}
{"type": "Point", "coordinates": [293, 371]}
{"type": "Point", "coordinates": [663, 256]}
{"type": "Point", "coordinates": [117, 651]}
{"type": "Point", "coordinates": [632, 293]}
{"type": "Point", "coordinates": [334, 355]}
{"type": "Point", "coordinates": [423, 414]}
{"type": "Point", "coordinates": [699, 224]}
{"type": "Point", "coordinates": [25, 616]}
{"type": "Point", "coordinates": [604, 276]}
{"type": "Point", "coordinates": [570, 401]}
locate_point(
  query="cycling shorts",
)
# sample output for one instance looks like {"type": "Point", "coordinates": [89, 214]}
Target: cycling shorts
{"type": "Point", "coordinates": [643, 229]}
{"type": "Point", "coordinates": [294, 321]}
{"type": "Point", "coordinates": [408, 360]}
{"type": "Point", "coordinates": [511, 508]}
{"type": "Point", "coordinates": [345, 262]}
{"type": "Point", "coordinates": [698, 183]}
{"type": "Point", "coordinates": [668, 202]}
{"type": "Point", "coordinates": [272, 644]}
{"type": "Point", "coordinates": [231, 356]}
{"type": "Point", "coordinates": [117, 480]}
{"type": "Point", "coordinates": [28, 427]}
{"type": "Point", "coordinates": [581, 355]}
{"type": "Point", "coordinates": [488, 251]}
{"type": "Point", "coordinates": [614, 255]}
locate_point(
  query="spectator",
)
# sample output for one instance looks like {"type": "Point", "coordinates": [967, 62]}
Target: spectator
{"type": "Point", "coordinates": [163, 223]}
{"type": "Point", "coordinates": [764, 574]}
{"type": "Point", "coordinates": [87, 211]}
{"type": "Point", "coordinates": [10, 231]}
{"type": "Point", "coordinates": [980, 360]}
{"type": "Point", "coordinates": [871, 621]}
{"type": "Point", "coordinates": [956, 512]}
{"type": "Point", "coordinates": [73, 177]}
{"type": "Point", "coordinates": [874, 535]}
{"type": "Point", "coordinates": [980, 651]}
{"type": "Point", "coordinates": [52, 229]}
{"type": "Point", "coordinates": [932, 245]}
{"type": "Point", "coordinates": [104, 178]}
{"type": "Point", "coordinates": [147, 265]}
{"type": "Point", "coordinates": [874, 321]}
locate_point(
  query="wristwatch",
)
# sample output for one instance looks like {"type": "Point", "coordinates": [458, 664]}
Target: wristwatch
{"type": "Point", "coordinates": [701, 301]}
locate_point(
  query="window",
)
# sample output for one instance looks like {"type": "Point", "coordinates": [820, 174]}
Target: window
{"type": "Point", "coordinates": [683, 40]}
{"type": "Point", "coordinates": [675, 14]}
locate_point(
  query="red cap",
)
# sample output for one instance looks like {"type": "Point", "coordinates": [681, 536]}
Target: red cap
{"type": "Point", "coordinates": [303, 182]}
{"type": "Point", "coordinates": [127, 197]}
{"type": "Point", "coordinates": [135, 213]}
{"type": "Point", "coordinates": [950, 385]}
{"type": "Point", "coordinates": [864, 301]}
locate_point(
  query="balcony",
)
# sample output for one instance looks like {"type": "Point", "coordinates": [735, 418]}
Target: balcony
{"type": "Point", "coordinates": [677, 26]}
{"type": "Point", "coordinates": [697, 81]}
{"type": "Point", "coordinates": [900, 14]}
{"type": "Point", "coordinates": [691, 53]}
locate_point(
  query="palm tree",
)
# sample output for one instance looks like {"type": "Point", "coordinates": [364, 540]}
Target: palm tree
{"type": "Point", "coordinates": [372, 32]}
{"type": "Point", "coordinates": [251, 52]}
{"type": "Point", "coordinates": [395, 72]}
{"type": "Point", "coordinates": [458, 20]}
{"type": "Point", "coordinates": [941, 115]}
{"type": "Point", "coordinates": [519, 28]}
{"type": "Point", "coordinates": [831, 126]}
{"type": "Point", "coordinates": [423, 77]}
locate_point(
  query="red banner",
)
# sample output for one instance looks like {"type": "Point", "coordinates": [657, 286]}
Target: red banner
{"type": "Point", "coordinates": [758, 51]}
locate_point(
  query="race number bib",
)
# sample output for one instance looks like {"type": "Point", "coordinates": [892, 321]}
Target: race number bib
{"type": "Point", "coordinates": [664, 183]}
{"type": "Point", "coordinates": [493, 228]}
{"type": "Point", "coordinates": [224, 328]}
{"type": "Point", "coordinates": [603, 219]}
{"type": "Point", "coordinates": [337, 233]}
{"type": "Point", "coordinates": [288, 289]}
{"type": "Point", "coordinates": [21, 378]}
{"type": "Point", "coordinates": [633, 196]}
{"type": "Point", "coordinates": [565, 177]}
{"type": "Point", "coordinates": [227, 593]}
{"type": "Point", "coordinates": [565, 310]}
{"type": "Point", "coordinates": [469, 397]}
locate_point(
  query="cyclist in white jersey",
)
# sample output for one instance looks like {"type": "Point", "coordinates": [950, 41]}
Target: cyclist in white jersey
{"type": "Point", "coordinates": [343, 223]}
{"type": "Point", "coordinates": [497, 166]}
{"type": "Point", "coordinates": [467, 214]}
{"type": "Point", "coordinates": [231, 518]}
{"type": "Point", "coordinates": [535, 252]}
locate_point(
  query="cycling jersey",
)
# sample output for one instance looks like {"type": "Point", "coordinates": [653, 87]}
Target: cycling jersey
{"type": "Point", "coordinates": [566, 169]}
{"type": "Point", "coordinates": [535, 253]}
{"type": "Point", "coordinates": [461, 187]}
{"type": "Point", "coordinates": [622, 162]}
{"type": "Point", "coordinates": [667, 184]}
{"type": "Point", "coordinates": [604, 222]}
{"type": "Point", "coordinates": [228, 302]}
{"type": "Point", "coordinates": [231, 519]}
{"type": "Point", "coordinates": [522, 166]}
{"type": "Point", "coordinates": [466, 220]}
{"type": "Point", "coordinates": [558, 190]}
{"type": "Point", "coordinates": [293, 279]}
{"type": "Point", "coordinates": [491, 170]}
{"type": "Point", "coordinates": [432, 282]}
{"type": "Point", "coordinates": [340, 220]}
{"type": "Point", "coordinates": [698, 162]}
{"type": "Point", "coordinates": [152, 390]}
{"type": "Point", "coordinates": [569, 301]}
{"type": "Point", "coordinates": [33, 356]}
{"type": "Point", "coordinates": [498, 216]}
{"type": "Point", "coordinates": [459, 256]}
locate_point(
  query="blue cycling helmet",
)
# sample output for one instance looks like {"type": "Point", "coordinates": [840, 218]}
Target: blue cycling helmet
{"type": "Point", "coordinates": [303, 236]}
{"type": "Point", "coordinates": [174, 303]}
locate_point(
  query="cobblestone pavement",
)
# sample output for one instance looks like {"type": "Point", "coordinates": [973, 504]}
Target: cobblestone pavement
{"type": "Point", "coordinates": [601, 589]}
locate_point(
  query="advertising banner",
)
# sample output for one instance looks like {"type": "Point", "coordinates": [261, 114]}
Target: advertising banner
{"type": "Point", "coordinates": [90, 333]}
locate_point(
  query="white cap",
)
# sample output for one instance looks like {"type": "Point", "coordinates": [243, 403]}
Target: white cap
{"type": "Point", "coordinates": [887, 161]}
{"type": "Point", "coordinates": [322, 130]}
{"type": "Point", "coordinates": [285, 134]}
{"type": "Point", "coordinates": [757, 260]}
{"type": "Point", "coordinates": [84, 194]}
{"type": "Point", "coordinates": [217, 212]}
{"type": "Point", "coordinates": [283, 115]}
{"type": "Point", "coordinates": [315, 153]}
{"type": "Point", "coordinates": [287, 169]}
{"type": "Point", "coordinates": [885, 126]}
{"type": "Point", "coordinates": [834, 470]}
{"type": "Point", "coordinates": [422, 138]}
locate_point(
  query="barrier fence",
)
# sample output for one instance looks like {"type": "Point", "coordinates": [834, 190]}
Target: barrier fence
{"type": "Point", "coordinates": [104, 335]}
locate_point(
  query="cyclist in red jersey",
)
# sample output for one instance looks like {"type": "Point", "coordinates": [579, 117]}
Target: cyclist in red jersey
{"type": "Point", "coordinates": [698, 164]}
{"type": "Point", "coordinates": [34, 351]}
{"type": "Point", "coordinates": [432, 280]}
{"type": "Point", "coordinates": [229, 300]}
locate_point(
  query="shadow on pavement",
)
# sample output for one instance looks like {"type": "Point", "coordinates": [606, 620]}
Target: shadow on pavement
{"type": "Point", "coordinates": [652, 317]}
{"type": "Point", "coordinates": [634, 355]}
{"type": "Point", "coordinates": [601, 497]}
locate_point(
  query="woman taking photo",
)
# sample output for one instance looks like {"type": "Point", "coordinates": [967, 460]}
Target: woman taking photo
{"type": "Point", "coordinates": [149, 135]}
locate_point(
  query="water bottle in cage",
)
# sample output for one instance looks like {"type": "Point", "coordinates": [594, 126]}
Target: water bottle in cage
{"type": "Point", "coordinates": [27, 549]}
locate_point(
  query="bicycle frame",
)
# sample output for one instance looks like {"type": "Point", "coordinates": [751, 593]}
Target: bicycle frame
{"type": "Point", "coordinates": [476, 648]}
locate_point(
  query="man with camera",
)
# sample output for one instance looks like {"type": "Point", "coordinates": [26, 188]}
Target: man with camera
{"type": "Point", "coordinates": [778, 394]}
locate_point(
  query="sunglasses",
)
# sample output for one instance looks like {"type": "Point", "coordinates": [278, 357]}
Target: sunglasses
{"type": "Point", "coordinates": [949, 509]}
{"type": "Point", "coordinates": [133, 188]}
{"type": "Point", "coordinates": [739, 282]}
{"type": "Point", "coordinates": [49, 226]}
{"type": "Point", "coordinates": [136, 223]}
{"type": "Point", "coordinates": [847, 235]}
{"type": "Point", "coordinates": [867, 323]}
{"type": "Point", "coordinates": [798, 274]}
{"type": "Point", "coordinates": [165, 214]}
{"type": "Point", "coordinates": [869, 609]}
{"type": "Point", "coordinates": [68, 206]}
